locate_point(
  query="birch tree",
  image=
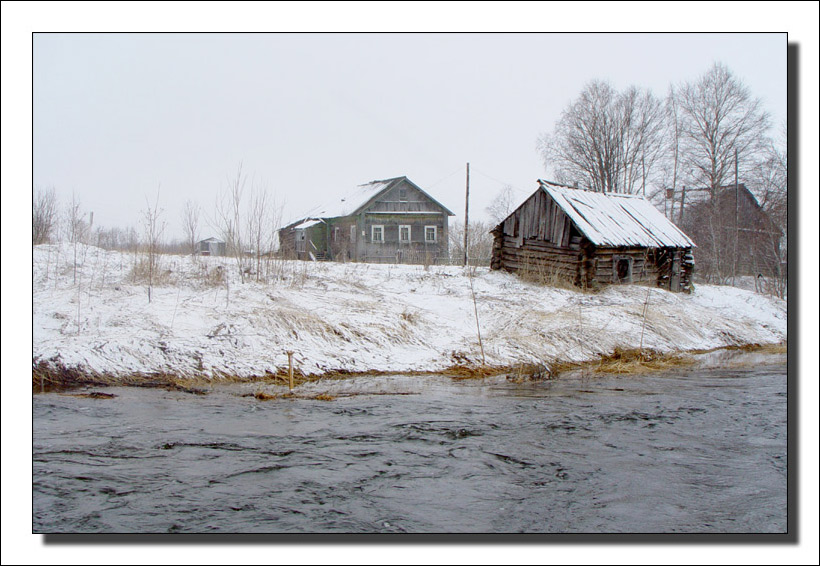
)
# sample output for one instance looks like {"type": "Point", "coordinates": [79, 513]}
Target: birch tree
{"type": "Point", "coordinates": [190, 224]}
{"type": "Point", "coordinates": [229, 218]}
{"type": "Point", "coordinates": [719, 117]}
{"type": "Point", "coordinates": [605, 140]}
{"type": "Point", "coordinates": [76, 229]}
{"type": "Point", "coordinates": [153, 226]}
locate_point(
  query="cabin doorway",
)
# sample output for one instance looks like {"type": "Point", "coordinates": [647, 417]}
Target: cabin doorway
{"type": "Point", "coordinates": [622, 269]}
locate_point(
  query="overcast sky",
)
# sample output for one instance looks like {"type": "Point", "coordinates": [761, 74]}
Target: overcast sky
{"type": "Point", "coordinates": [117, 117]}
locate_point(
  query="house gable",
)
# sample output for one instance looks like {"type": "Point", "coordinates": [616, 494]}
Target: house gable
{"type": "Point", "coordinates": [401, 195]}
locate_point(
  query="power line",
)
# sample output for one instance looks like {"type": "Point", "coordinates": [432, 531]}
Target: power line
{"type": "Point", "coordinates": [444, 178]}
{"type": "Point", "coordinates": [497, 181]}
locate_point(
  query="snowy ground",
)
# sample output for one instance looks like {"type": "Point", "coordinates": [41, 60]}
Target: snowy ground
{"type": "Point", "coordinates": [356, 317]}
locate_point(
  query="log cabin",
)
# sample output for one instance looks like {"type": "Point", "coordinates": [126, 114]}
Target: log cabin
{"type": "Point", "coordinates": [591, 239]}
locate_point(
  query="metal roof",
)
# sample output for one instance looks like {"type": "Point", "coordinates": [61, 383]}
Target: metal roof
{"type": "Point", "coordinates": [351, 201]}
{"type": "Point", "coordinates": [615, 219]}
{"type": "Point", "coordinates": [347, 203]}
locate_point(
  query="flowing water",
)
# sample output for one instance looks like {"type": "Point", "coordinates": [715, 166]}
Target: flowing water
{"type": "Point", "coordinates": [700, 451]}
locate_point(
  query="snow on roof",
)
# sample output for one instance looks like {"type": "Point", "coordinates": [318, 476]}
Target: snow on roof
{"type": "Point", "coordinates": [615, 219]}
{"type": "Point", "coordinates": [307, 223]}
{"type": "Point", "coordinates": [345, 204]}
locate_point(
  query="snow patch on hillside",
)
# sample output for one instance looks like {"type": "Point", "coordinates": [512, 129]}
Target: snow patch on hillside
{"type": "Point", "coordinates": [203, 320]}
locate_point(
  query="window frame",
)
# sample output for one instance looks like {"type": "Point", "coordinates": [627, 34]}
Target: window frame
{"type": "Point", "coordinates": [435, 235]}
{"type": "Point", "coordinates": [409, 233]}
{"type": "Point", "coordinates": [373, 229]}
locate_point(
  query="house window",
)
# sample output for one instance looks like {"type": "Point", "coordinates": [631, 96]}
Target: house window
{"type": "Point", "coordinates": [402, 194]}
{"type": "Point", "coordinates": [353, 234]}
{"type": "Point", "coordinates": [335, 233]}
{"type": "Point", "coordinates": [404, 234]}
{"type": "Point", "coordinates": [430, 234]}
{"type": "Point", "coordinates": [377, 234]}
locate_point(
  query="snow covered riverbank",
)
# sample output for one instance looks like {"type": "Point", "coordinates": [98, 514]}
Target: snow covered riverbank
{"type": "Point", "coordinates": [203, 321]}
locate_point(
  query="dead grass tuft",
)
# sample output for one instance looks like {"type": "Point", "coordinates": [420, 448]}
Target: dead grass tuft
{"type": "Point", "coordinates": [92, 395]}
{"type": "Point", "coordinates": [409, 317]}
{"type": "Point", "coordinates": [464, 371]}
{"type": "Point", "coordinates": [626, 361]}
{"type": "Point", "coordinates": [262, 396]}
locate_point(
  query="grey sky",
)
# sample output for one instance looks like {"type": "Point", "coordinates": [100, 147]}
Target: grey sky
{"type": "Point", "coordinates": [118, 115]}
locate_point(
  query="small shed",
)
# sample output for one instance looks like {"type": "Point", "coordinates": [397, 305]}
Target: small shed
{"type": "Point", "coordinates": [591, 239]}
{"type": "Point", "coordinates": [211, 246]}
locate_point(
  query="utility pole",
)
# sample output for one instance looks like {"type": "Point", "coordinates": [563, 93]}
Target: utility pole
{"type": "Point", "coordinates": [737, 228]}
{"type": "Point", "coordinates": [643, 181]}
{"type": "Point", "coordinates": [466, 214]}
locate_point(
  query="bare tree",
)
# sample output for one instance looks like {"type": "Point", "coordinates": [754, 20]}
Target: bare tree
{"type": "Point", "coordinates": [769, 183]}
{"type": "Point", "coordinates": [153, 228]}
{"type": "Point", "coordinates": [229, 218]}
{"type": "Point", "coordinates": [44, 216]}
{"type": "Point", "coordinates": [502, 205]}
{"type": "Point", "coordinates": [722, 134]}
{"type": "Point", "coordinates": [479, 242]}
{"type": "Point", "coordinates": [258, 226]}
{"type": "Point", "coordinates": [719, 117]}
{"type": "Point", "coordinates": [190, 224]}
{"type": "Point", "coordinates": [669, 161]}
{"type": "Point", "coordinates": [76, 229]}
{"type": "Point", "coordinates": [606, 140]}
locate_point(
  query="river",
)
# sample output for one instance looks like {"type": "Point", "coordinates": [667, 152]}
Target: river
{"type": "Point", "coordinates": [689, 451]}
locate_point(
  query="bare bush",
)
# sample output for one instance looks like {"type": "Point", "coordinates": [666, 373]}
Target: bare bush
{"type": "Point", "coordinates": [44, 216]}
{"type": "Point", "coordinates": [190, 225]}
{"type": "Point", "coordinates": [153, 227]}
{"type": "Point", "coordinates": [479, 242]}
{"type": "Point", "coordinates": [76, 230]}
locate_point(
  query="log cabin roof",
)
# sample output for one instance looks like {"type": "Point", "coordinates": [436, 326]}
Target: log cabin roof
{"type": "Point", "coordinates": [615, 219]}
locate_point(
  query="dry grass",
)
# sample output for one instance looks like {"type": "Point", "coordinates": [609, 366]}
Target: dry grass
{"type": "Point", "coordinates": [92, 395]}
{"type": "Point", "coordinates": [212, 276]}
{"type": "Point", "coordinates": [626, 361]}
{"type": "Point", "coordinates": [262, 396]}
{"type": "Point", "coordinates": [50, 376]}
{"type": "Point", "coordinates": [781, 348]}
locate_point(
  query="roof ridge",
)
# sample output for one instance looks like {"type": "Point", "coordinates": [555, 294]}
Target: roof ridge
{"type": "Point", "coordinates": [587, 190]}
{"type": "Point", "coordinates": [390, 180]}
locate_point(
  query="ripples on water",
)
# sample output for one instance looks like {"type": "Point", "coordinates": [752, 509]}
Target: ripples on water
{"type": "Point", "coordinates": [695, 452]}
